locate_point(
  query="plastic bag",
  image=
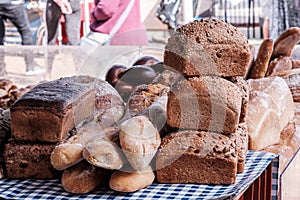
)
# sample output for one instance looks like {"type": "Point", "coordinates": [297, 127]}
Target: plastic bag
{"type": "Point", "coordinates": [167, 11]}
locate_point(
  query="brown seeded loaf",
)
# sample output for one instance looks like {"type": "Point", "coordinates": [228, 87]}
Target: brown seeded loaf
{"type": "Point", "coordinates": [204, 103]}
{"type": "Point", "coordinates": [196, 157]}
{"type": "Point", "coordinates": [208, 47]}
{"type": "Point", "coordinates": [241, 141]}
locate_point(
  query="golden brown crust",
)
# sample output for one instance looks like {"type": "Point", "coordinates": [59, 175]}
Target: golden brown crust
{"type": "Point", "coordinates": [83, 178]}
{"type": "Point", "coordinates": [280, 66]}
{"type": "Point", "coordinates": [285, 43]}
{"type": "Point", "coordinates": [261, 62]}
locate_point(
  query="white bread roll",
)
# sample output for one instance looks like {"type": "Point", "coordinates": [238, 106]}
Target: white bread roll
{"type": "Point", "coordinates": [270, 109]}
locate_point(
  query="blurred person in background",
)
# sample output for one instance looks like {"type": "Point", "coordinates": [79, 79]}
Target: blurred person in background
{"type": "Point", "coordinates": [105, 15]}
{"type": "Point", "coordinates": [279, 16]}
{"type": "Point", "coordinates": [71, 10]}
{"type": "Point", "coordinates": [14, 11]}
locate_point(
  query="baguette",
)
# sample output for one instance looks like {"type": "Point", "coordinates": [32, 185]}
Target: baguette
{"type": "Point", "coordinates": [105, 151]}
{"type": "Point", "coordinates": [285, 43]}
{"type": "Point", "coordinates": [69, 152]}
{"type": "Point", "coordinates": [261, 62]}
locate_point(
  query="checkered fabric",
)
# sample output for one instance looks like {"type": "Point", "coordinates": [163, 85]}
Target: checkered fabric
{"type": "Point", "coordinates": [256, 163]}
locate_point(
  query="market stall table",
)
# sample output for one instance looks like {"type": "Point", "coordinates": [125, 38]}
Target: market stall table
{"type": "Point", "coordinates": [256, 164]}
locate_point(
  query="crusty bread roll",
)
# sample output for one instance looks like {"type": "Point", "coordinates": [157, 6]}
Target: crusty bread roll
{"type": "Point", "coordinates": [83, 178]}
{"type": "Point", "coordinates": [270, 109]}
{"type": "Point", "coordinates": [123, 181]}
{"type": "Point", "coordinates": [280, 66]}
{"type": "Point", "coordinates": [139, 140]}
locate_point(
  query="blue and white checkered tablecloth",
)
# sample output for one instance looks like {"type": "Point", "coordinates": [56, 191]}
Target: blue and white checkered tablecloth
{"type": "Point", "coordinates": [256, 163]}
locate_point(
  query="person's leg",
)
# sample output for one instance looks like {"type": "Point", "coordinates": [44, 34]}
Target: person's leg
{"type": "Point", "coordinates": [2, 53]}
{"type": "Point", "coordinates": [2, 31]}
{"type": "Point", "coordinates": [53, 14]}
{"type": "Point", "coordinates": [17, 15]}
{"type": "Point", "coordinates": [73, 23]}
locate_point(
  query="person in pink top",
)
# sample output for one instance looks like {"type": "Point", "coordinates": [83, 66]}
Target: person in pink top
{"type": "Point", "coordinates": [105, 15]}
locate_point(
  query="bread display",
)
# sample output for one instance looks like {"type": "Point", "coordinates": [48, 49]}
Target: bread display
{"type": "Point", "coordinates": [208, 47]}
{"type": "Point", "coordinates": [27, 160]}
{"type": "Point", "coordinates": [188, 119]}
{"type": "Point", "coordinates": [270, 109]}
{"type": "Point", "coordinates": [204, 103]}
{"type": "Point", "coordinates": [196, 157]}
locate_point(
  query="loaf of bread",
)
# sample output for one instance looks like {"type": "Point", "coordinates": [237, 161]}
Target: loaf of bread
{"type": "Point", "coordinates": [51, 109]}
{"type": "Point", "coordinates": [208, 47]}
{"type": "Point", "coordinates": [270, 109]}
{"type": "Point", "coordinates": [4, 136]}
{"type": "Point", "coordinates": [25, 160]}
{"type": "Point", "coordinates": [196, 157]}
{"type": "Point", "coordinates": [204, 103]}
{"type": "Point", "coordinates": [293, 82]}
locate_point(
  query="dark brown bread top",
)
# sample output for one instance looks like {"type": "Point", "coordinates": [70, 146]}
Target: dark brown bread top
{"type": "Point", "coordinates": [56, 94]}
{"type": "Point", "coordinates": [59, 94]}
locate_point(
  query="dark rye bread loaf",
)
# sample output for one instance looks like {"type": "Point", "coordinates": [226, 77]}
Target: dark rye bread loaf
{"type": "Point", "coordinates": [196, 157]}
{"type": "Point", "coordinates": [208, 47]}
{"type": "Point", "coordinates": [4, 136]}
{"type": "Point", "coordinates": [51, 109]}
{"type": "Point", "coordinates": [204, 103]}
{"type": "Point", "coordinates": [29, 160]}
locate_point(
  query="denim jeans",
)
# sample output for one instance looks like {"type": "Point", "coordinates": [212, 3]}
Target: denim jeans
{"type": "Point", "coordinates": [17, 15]}
{"type": "Point", "coordinates": [53, 14]}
